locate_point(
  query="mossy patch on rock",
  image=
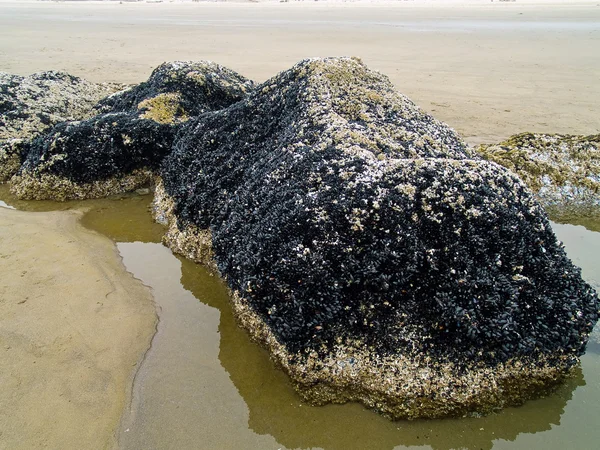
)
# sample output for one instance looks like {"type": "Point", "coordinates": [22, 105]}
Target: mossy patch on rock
{"type": "Point", "coordinates": [164, 108]}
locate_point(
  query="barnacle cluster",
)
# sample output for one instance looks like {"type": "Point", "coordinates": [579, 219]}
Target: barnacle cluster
{"type": "Point", "coordinates": [563, 170]}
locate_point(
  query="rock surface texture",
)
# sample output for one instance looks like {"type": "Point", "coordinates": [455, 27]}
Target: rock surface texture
{"type": "Point", "coordinates": [367, 248]}
{"type": "Point", "coordinates": [563, 170]}
{"type": "Point", "coordinates": [121, 148]}
{"type": "Point", "coordinates": [30, 105]}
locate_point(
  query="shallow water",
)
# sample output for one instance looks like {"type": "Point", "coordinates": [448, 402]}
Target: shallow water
{"type": "Point", "coordinates": [203, 384]}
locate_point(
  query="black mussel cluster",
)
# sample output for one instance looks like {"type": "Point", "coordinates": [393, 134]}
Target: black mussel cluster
{"type": "Point", "coordinates": [342, 213]}
{"type": "Point", "coordinates": [133, 130]}
{"type": "Point", "coordinates": [375, 255]}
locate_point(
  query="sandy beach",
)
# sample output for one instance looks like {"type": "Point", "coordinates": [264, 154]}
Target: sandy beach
{"type": "Point", "coordinates": [74, 326]}
{"type": "Point", "coordinates": [489, 69]}
{"type": "Point", "coordinates": [74, 323]}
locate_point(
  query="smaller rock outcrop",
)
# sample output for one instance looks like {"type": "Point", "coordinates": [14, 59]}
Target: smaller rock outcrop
{"type": "Point", "coordinates": [178, 90]}
{"type": "Point", "coordinates": [108, 154]}
{"type": "Point", "coordinates": [563, 170]}
{"type": "Point", "coordinates": [121, 148]}
{"type": "Point", "coordinates": [31, 105]}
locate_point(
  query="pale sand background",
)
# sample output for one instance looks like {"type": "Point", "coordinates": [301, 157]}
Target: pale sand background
{"type": "Point", "coordinates": [488, 69]}
{"type": "Point", "coordinates": [73, 327]}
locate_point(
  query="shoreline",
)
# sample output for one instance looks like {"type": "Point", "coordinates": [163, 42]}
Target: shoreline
{"type": "Point", "coordinates": [342, 3]}
{"type": "Point", "coordinates": [76, 327]}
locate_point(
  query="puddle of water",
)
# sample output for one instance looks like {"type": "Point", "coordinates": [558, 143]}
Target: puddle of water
{"type": "Point", "coordinates": [4, 205]}
{"type": "Point", "coordinates": [204, 384]}
{"type": "Point", "coordinates": [183, 397]}
{"type": "Point", "coordinates": [124, 218]}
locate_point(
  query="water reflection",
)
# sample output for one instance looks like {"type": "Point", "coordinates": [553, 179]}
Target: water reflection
{"type": "Point", "coordinates": [275, 409]}
{"type": "Point", "coordinates": [589, 219]}
{"type": "Point", "coordinates": [122, 218]}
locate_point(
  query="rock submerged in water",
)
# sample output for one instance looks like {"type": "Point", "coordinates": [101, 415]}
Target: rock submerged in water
{"type": "Point", "coordinates": [30, 105]}
{"type": "Point", "coordinates": [563, 170]}
{"type": "Point", "coordinates": [371, 252]}
{"type": "Point", "coordinates": [121, 148]}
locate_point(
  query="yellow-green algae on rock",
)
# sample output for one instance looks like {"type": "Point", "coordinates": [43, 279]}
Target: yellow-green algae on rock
{"type": "Point", "coordinates": [563, 170]}
{"type": "Point", "coordinates": [164, 108]}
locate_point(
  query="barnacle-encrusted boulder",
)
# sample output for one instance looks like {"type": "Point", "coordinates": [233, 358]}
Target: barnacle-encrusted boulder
{"type": "Point", "coordinates": [33, 104]}
{"type": "Point", "coordinates": [120, 149]}
{"type": "Point", "coordinates": [187, 88]}
{"type": "Point", "coordinates": [370, 252]}
{"type": "Point", "coordinates": [563, 170]}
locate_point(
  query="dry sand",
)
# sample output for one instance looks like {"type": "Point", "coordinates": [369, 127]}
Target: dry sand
{"type": "Point", "coordinates": [73, 327]}
{"type": "Point", "coordinates": [488, 69]}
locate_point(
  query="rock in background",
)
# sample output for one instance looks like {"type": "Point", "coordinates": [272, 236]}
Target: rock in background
{"type": "Point", "coordinates": [30, 105]}
{"type": "Point", "coordinates": [181, 89]}
{"type": "Point", "coordinates": [563, 170]}
{"type": "Point", "coordinates": [371, 252]}
{"type": "Point", "coordinates": [121, 148]}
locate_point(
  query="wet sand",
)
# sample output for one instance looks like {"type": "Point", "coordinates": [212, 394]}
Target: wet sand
{"type": "Point", "coordinates": [74, 326]}
{"type": "Point", "coordinates": [490, 70]}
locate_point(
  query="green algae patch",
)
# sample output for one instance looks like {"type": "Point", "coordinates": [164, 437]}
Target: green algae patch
{"type": "Point", "coordinates": [164, 108]}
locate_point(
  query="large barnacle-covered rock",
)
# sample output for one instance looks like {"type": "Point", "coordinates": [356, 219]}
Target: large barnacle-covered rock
{"type": "Point", "coordinates": [120, 149]}
{"type": "Point", "coordinates": [30, 105]}
{"type": "Point", "coordinates": [563, 170]}
{"type": "Point", "coordinates": [373, 255]}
